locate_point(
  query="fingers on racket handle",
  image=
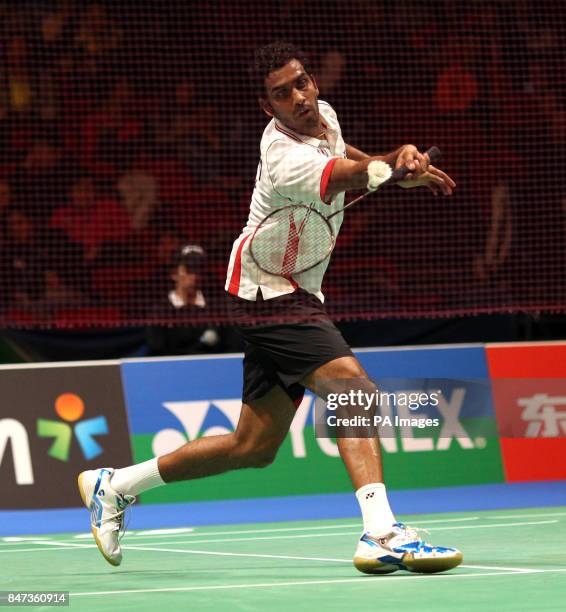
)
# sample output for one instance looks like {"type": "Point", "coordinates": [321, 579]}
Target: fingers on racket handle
{"type": "Point", "coordinates": [399, 174]}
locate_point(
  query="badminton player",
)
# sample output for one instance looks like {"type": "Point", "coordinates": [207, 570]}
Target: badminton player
{"type": "Point", "coordinates": [290, 343]}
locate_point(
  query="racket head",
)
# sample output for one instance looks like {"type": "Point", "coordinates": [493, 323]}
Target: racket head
{"type": "Point", "coordinates": [291, 240]}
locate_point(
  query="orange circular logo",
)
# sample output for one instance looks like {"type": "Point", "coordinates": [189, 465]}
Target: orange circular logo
{"type": "Point", "coordinates": [69, 407]}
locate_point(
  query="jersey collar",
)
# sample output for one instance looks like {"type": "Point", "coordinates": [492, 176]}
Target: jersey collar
{"type": "Point", "coordinates": [309, 140]}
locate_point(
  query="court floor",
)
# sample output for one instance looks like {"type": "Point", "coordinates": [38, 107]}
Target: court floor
{"type": "Point", "coordinates": [513, 560]}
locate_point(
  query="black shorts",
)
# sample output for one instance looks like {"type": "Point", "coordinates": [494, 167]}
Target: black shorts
{"type": "Point", "coordinates": [293, 336]}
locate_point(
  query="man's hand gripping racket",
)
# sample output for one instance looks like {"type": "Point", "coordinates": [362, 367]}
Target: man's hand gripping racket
{"type": "Point", "coordinates": [296, 238]}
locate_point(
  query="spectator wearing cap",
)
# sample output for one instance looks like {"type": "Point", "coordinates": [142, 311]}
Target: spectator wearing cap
{"type": "Point", "coordinates": [190, 267]}
{"type": "Point", "coordinates": [185, 307]}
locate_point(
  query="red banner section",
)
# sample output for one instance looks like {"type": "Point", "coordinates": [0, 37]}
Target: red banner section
{"type": "Point", "coordinates": [529, 395]}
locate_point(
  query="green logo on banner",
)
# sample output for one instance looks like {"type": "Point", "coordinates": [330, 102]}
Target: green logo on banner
{"type": "Point", "coordinates": [70, 408]}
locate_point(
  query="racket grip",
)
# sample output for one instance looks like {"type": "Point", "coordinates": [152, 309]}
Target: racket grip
{"type": "Point", "coordinates": [399, 174]}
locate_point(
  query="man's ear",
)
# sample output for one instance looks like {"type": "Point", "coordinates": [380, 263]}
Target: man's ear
{"type": "Point", "coordinates": [265, 107]}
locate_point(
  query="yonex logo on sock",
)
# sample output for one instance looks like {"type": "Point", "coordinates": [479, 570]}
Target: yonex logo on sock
{"type": "Point", "coordinates": [70, 408]}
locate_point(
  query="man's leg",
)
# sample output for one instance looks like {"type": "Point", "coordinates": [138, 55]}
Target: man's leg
{"type": "Point", "coordinates": [361, 456]}
{"type": "Point", "coordinates": [386, 545]}
{"type": "Point", "coordinates": [261, 429]}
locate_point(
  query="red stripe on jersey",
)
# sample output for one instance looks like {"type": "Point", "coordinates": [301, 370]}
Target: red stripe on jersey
{"type": "Point", "coordinates": [325, 178]}
{"type": "Point", "coordinates": [292, 250]}
{"type": "Point", "coordinates": [234, 286]}
{"type": "Point", "coordinates": [298, 401]}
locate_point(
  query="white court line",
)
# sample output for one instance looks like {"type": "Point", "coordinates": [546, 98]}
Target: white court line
{"type": "Point", "coordinates": [63, 547]}
{"type": "Point", "coordinates": [134, 534]}
{"type": "Point", "coordinates": [19, 539]}
{"type": "Point", "coordinates": [342, 533]}
{"type": "Point", "coordinates": [68, 545]}
{"type": "Point", "coordinates": [527, 570]}
{"type": "Point", "coordinates": [236, 532]}
{"type": "Point", "coordinates": [65, 544]}
{"type": "Point", "coordinates": [6, 540]}
{"type": "Point", "coordinates": [360, 580]}
{"type": "Point", "coordinates": [266, 556]}
{"type": "Point", "coordinates": [26, 542]}
{"type": "Point", "coordinates": [521, 524]}
{"type": "Point", "coordinates": [512, 516]}
{"type": "Point", "coordinates": [229, 554]}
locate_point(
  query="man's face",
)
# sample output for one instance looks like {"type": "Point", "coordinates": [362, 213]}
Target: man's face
{"type": "Point", "coordinates": [292, 97]}
{"type": "Point", "coordinates": [185, 280]}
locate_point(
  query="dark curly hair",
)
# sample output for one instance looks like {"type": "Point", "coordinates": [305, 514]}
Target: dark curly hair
{"type": "Point", "coordinates": [272, 57]}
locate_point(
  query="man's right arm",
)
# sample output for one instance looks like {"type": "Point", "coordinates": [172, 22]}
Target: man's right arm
{"type": "Point", "coordinates": [351, 174]}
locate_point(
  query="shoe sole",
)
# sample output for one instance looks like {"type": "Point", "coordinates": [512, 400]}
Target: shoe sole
{"type": "Point", "coordinates": [373, 566]}
{"type": "Point", "coordinates": [92, 527]}
{"type": "Point", "coordinates": [431, 565]}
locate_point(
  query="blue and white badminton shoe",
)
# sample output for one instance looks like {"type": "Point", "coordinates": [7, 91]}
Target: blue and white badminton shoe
{"type": "Point", "coordinates": [107, 508]}
{"type": "Point", "coordinates": [402, 548]}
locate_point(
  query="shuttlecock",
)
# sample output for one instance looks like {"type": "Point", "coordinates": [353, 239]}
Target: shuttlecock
{"type": "Point", "coordinates": [378, 173]}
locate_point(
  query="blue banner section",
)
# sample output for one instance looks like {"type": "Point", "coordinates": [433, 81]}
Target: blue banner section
{"type": "Point", "coordinates": [159, 392]}
{"type": "Point", "coordinates": [149, 384]}
{"type": "Point", "coordinates": [439, 362]}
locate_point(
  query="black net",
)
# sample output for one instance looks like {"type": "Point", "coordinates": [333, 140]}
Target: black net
{"type": "Point", "coordinates": [128, 129]}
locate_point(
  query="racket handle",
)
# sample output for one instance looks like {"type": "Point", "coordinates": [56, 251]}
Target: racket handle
{"type": "Point", "coordinates": [399, 174]}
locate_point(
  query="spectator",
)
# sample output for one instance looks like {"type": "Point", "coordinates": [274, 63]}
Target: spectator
{"type": "Point", "coordinates": [41, 179]}
{"type": "Point", "coordinates": [23, 260]}
{"type": "Point", "coordinates": [457, 87]}
{"type": "Point", "coordinates": [184, 302]}
{"type": "Point", "coordinates": [139, 196]}
{"type": "Point", "coordinates": [4, 202]}
{"type": "Point", "coordinates": [112, 132]}
{"type": "Point", "coordinates": [90, 218]}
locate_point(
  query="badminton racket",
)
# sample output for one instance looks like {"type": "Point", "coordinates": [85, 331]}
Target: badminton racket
{"type": "Point", "coordinates": [295, 238]}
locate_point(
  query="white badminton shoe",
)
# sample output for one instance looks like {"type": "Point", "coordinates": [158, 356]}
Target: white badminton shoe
{"type": "Point", "coordinates": [402, 548]}
{"type": "Point", "coordinates": [107, 508]}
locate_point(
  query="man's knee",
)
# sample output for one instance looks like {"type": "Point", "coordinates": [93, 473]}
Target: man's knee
{"type": "Point", "coordinates": [343, 368]}
{"type": "Point", "coordinates": [250, 453]}
{"type": "Point", "coordinates": [263, 458]}
{"type": "Point", "coordinates": [352, 369]}
{"type": "Point", "coordinates": [347, 376]}
{"type": "Point", "coordinates": [259, 457]}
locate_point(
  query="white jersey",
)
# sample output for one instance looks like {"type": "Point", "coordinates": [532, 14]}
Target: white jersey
{"type": "Point", "coordinates": [293, 168]}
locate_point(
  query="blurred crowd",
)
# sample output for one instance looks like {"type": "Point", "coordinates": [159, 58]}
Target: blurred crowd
{"type": "Point", "coordinates": [127, 131]}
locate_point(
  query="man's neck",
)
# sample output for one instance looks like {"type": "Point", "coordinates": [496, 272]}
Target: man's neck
{"type": "Point", "coordinates": [318, 131]}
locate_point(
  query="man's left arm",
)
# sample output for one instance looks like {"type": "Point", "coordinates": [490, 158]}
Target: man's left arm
{"type": "Point", "coordinates": [355, 154]}
{"type": "Point", "coordinates": [423, 173]}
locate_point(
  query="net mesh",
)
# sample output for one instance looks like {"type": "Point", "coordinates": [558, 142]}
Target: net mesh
{"type": "Point", "coordinates": [128, 129]}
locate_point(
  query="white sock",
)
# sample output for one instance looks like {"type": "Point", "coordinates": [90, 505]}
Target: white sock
{"type": "Point", "coordinates": [137, 478]}
{"type": "Point", "coordinates": [377, 515]}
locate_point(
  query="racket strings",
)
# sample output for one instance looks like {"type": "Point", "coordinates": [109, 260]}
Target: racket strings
{"type": "Point", "coordinates": [292, 250]}
{"type": "Point", "coordinates": [292, 240]}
